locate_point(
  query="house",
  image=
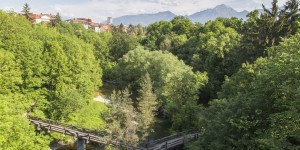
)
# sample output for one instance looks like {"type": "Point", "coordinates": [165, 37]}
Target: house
{"type": "Point", "coordinates": [89, 24]}
{"type": "Point", "coordinates": [105, 27]}
{"type": "Point", "coordinates": [85, 22]}
{"type": "Point", "coordinates": [95, 27]}
{"type": "Point", "coordinates": [39, 18]}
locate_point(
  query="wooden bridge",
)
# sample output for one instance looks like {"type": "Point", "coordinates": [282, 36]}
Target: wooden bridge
{"type": "Point", "coordinates": [84, 136]}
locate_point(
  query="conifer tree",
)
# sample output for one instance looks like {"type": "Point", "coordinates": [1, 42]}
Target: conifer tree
{"type": "Point", "coordinates": [121, 119]}
{"type": "Point", "coordinates": [147, 106]}
{"type": "Point", "coordinates": [56, 20]}
{"type": "Point", "coordinates": [58, 17]}
{"type": "Point", "coordinates": [130, 125]}
{"type": "Point", "coordinates": [26, 10]}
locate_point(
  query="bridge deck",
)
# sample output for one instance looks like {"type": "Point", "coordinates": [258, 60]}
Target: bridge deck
{"type": "Point", "coordinates": [97, 137]}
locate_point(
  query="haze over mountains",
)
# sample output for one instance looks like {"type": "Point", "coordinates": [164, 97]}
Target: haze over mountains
{"type": "Point", "coordinates": [202, 16]}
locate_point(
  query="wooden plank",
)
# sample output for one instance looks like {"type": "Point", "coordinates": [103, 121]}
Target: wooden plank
{"type": "Point", "coordinates": [93, 136]}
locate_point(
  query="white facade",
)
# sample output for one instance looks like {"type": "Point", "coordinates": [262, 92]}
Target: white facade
{"type": "Point", "coordinates": [86, 25]}
{"type": "Point", "coordinates": [39, 18]}
{"type": "Point", "coordinates": [45, 19]}
{"type": "Point", "coordinates": [97, 29]}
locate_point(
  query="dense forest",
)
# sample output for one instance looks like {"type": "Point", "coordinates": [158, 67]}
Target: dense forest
{"type": "Point", "coordinates": [236, 82]}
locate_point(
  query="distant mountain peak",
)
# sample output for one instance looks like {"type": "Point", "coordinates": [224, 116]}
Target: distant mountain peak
{"type": "Point", "coordinates": [222, 6]}
{"type": "Point", "coordinates": [144, 19]}
{"type": "Point", "coordinates": [218, 11]}
{"type": "Point", "coordinates": [202, 16]}
{"type": "Point", "coordinates": [166, 12]}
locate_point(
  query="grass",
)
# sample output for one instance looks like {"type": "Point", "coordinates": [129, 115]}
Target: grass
{"type": "Point", "coordinates": [89, 116]}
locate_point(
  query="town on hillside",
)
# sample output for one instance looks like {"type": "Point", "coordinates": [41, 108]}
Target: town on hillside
{"type": "Point", "coordinates": [86, 22]}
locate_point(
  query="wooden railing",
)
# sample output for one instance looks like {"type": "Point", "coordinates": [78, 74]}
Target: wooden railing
{"type": "Point", "coordinates": [172, 140]}
{"type": "Point", "coordinates": [97, 137]}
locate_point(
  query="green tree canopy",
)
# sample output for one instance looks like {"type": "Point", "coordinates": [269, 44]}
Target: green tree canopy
{"type": "Point", "coordinates": [120, 44]}
{"type": "Point", "coordinates": [174, 83]}
{"type": "Point", "coordinates": [16, 131]}
{"type": "Point", "coordinates": [258, 108]}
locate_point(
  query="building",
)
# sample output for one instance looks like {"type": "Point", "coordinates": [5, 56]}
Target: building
{"type": "Point", "coordinates": [105, 27]}
{"type": "Point", "coordinates": [109, 20]}
{"type": "Point", "coordinates": [39, 18]}
{"type": "Point", "coordinates": [95, 27]}
{"type": "Point", "coordinates": [89, 24]}
{"type": "Point", "coordinates": [85, 22]}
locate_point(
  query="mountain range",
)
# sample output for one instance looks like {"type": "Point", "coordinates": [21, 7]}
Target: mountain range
{"type": "Point", "coordinates": [202, 16]}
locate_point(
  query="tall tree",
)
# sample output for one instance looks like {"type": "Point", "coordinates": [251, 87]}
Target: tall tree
{"type": "Point", "coordinates": [26, 10]}
{"type": "Point", "coordinates": [290, 14]}
{"type": "Point", "coordinates": [147, 106]}
{"type": "Point", "coordinates": [121, 118]}
{"type": "Point", "coordinates": [58, 17]}
{"type": "Point", "coordinates": [56, 20]}
{"type": "Point", "coordinates": [268, 29]}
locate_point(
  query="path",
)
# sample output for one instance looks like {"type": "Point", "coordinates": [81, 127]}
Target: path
{"type": "Point", "coordinates": [102, 99]}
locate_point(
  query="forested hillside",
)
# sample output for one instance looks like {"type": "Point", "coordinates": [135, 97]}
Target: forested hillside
{"type": "Point", "coordinates": [234, 81]}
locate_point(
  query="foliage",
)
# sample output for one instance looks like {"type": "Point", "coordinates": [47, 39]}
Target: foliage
{"type": "Point", "coordinates": [71, 68]}
{"type": "Point", "coordinates": [120, 44]}
{"type": "Point", "coordinates": [156, 34]}
{"type": "Point", "coordinates": [211, 48]}
{"type": "Point", "coordinates": [56, 72]}
{"type": "Point", "coordinates": [267, 29]}
{"type": "Point", "coordinates": [73, 29]}
{"type": "Point", "coordinates": [16, 132]}
{"type": "Point", "coordinates": [56, 20]}
{"type": "Point", "coordinates": [26, 10]}
{"type": "Point", "coordinates": [138, 30]}
{"type": "Point", "coordinates": [258, 108]}
{"type": "Point", "coordinates": [10, 77]}
{"type": "Point", "coordinates": [182, 25]}
{"type": "Point", "coordinates": [147, 106]}
{"type": "Point", "coordinates": [89, 116]}
{"type": "Point", "coordinates": [101, 47]}
{"type": "Point", "coordinates": [58, 67]}
{"type": "Point", "coordinates": [214, 51]}
{"type": "Point", "coordinates": [121, 119]}
{"type": "Point", "coordinates": [174, 83]}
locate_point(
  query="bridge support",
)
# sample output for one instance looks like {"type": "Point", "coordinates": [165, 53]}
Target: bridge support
{"type": "Point", "coordinates": [80, 144]}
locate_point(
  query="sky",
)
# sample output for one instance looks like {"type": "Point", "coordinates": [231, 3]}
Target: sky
{"type": "Point", "coordinates": [99, 10]}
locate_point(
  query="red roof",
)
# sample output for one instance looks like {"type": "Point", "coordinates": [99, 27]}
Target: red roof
{"type": "Point", "coordinates": [35, 16]}
{"type": "Point", "coordinates": [93, 24]}
{"type": "Point", "coordinates": [82, 20]}
{"type": "Point", "coordinates": [38, 16]}
{"type": "Point", "coordinates": [106, 26]}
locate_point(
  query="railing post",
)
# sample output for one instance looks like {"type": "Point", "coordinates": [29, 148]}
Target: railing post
{"type": "Point", "coordinates": [81, 144]}
{"type": "Point", "coordinates": [167, 145]}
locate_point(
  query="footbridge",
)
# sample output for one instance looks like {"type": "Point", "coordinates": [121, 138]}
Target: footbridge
{"type": "Point", "coordinates": [84, 136]}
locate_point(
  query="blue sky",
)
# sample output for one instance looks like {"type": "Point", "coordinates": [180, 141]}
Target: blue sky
{"type": "Point", "coordinates": [99, 10]}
